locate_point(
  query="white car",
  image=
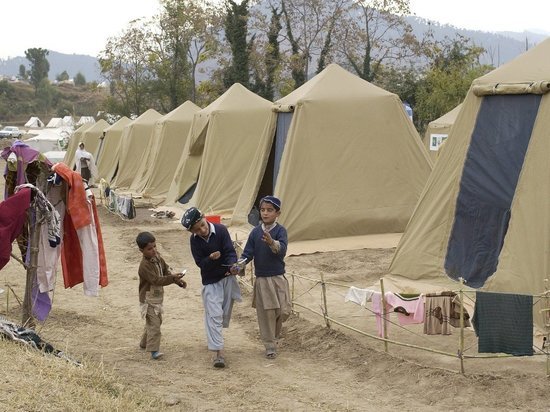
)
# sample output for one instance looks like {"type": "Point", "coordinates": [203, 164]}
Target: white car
{"type": "Point", "coordinates": [10, 131]}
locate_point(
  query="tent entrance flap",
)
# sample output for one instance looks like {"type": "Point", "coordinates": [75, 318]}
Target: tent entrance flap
{"type": "Point", "coordinates": [491, 171]}
{"type": "Point", "coordinates": [186, 197]}
{"type": "Point", "coordinates": [283, 124]}
{"type": "Point", "coordinates": [265, 189]}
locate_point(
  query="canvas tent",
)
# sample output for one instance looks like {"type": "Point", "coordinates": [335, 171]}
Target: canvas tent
{"type": "Point", "coordinates": [46, 140]}
{"type": "Point", "coordinates": [55, 122]}
{"type": "Point", "coordinates": [91, 136]}
{"type": "Point", "coordinates": [34, 122]}
{"type": "Point", "coordinates": [223, 139]}
{"type": "Point", "coordinates": [135, 140]}
{"type": "Point", "coordinates": [155, 175]}
{"type": "Point", "coordinates": [343, 157]}
{"type": "Point", "coordinates": [85, 119]}
{"type": "Point", "coordinates": [107, 155]}
{"type": "Point", "coordinates": [76, 138]}
{"type": "Point", "coordinates": [484, 214]}
{"type": "Point", "coordinates": [438, 130]}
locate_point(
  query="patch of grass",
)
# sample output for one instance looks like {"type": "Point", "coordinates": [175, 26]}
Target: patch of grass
{"type": "Point", "coordinates": [34, 381]}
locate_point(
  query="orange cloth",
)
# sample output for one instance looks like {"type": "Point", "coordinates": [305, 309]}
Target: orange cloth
{"type": "Point", "coordinates": [77, 204]}
{"type": "Point", "coordinates": [75, 218]}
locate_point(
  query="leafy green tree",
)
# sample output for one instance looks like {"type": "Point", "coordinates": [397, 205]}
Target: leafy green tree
{"type": "Point", "coordinates": [39, 65]}
{"type": "Point", "coordinates": [64, 76]}
{"type": "Point", "coordinates": [186, 35]}
{"type": "Point", "coordinates": [125, 63]}
{"type": "Point", "coordinates": [236, 30]}
{"type": "Point", "coordinates": [455, 64]}
{"type": "Point", "coordinates": [23, 72]}
{"type": "Point", "coordinates": [272, 54]}
{"type": "Point", "coordinates": [79, 79]}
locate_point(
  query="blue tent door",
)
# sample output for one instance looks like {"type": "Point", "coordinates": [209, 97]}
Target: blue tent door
{"type": "Point", "coordinates": [491, 170]}
{"type": "Point", "coordinates": [283, 124]}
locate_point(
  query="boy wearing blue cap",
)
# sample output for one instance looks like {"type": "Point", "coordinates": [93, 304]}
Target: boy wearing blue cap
{"type": "Point", "coordinates": [214, 254]}
{"type": "Point", "coordinates": [266, 245]}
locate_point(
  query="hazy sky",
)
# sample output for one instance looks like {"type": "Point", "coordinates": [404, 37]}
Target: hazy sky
{"type": "Point", "coordinates": [70, 26]}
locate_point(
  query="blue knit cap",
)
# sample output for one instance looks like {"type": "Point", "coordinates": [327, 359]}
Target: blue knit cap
{"type": "Point", "coordinates": [273, 200]}
{"type": "Point", "coordinates": [190, 217]}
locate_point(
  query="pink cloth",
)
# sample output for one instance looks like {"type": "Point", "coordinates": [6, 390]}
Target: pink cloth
{"type": "Point", "coordinates": [414, 307]}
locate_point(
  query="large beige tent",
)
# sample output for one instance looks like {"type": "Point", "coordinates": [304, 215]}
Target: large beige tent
{"type": "Point", "coordinates": [135, 141]}
{"type": "Point", "coordinates": [484, 215]}
{"type": "Point", "coordinates": [75, 139]}
{"type": "Point", "coordinates": [155, 175]}
{"type": "Point", "coordinates": [343, 157]}
{"type": "Point", "coordinates": [107, 155]}
{"type": "Point", "coordinates": [438, 130]}
{"type": "Point", "coordinates": [91, 136]}
{"type": "Point", "coordinates": [223, 139]}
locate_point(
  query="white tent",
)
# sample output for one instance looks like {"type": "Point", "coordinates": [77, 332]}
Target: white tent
{"type": "Point", "coordinates": [46, 140]}
{"type": "Point", "coordinates": [34, 122]}
{"type": "Point", "coordinates": [55, 122]}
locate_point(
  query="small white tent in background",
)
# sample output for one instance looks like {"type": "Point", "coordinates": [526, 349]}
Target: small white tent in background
{"type": "Point", "coordinates": [55, 122]}
{"type": "Point", "coordinates": [34, 122]}
{"type": "Point", "coordinates": [46, 140]}
{"type": "Point", "coordinates": [85, 120]}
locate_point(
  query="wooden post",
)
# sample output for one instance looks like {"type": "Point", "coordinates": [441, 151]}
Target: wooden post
{"type": "Point", "coordinates": [546, 343]}
{"type": "Point", "coordinates": [461, 339]}
{"type": "Point", "coordinates": [384, 315]}
{"type": "Point", "coordinates": [33, 244]}
{"type": "Point", "coordinates": [292, 293]}
{"type": "Point", "coordinates": [325, 308]}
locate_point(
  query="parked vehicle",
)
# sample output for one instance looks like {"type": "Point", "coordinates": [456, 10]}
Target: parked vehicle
{"type": "Point", "coordinates": [10, 131]}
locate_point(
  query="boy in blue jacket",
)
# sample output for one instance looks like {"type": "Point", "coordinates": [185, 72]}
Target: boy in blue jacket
{"type": "Point", "coordinates": [214, 254]}
{"type": "Point", "coordinates": [266, 245]}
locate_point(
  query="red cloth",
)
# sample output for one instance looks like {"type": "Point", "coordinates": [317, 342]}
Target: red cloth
{"type": "Point", "coordinates": [13, 213]}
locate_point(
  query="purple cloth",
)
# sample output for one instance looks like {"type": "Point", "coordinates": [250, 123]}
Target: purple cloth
{"type": "Point", "coordinates": [25, 155]}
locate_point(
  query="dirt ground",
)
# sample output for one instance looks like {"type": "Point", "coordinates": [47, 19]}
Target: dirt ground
{"type": "Point", "coordinates": [318, 368]}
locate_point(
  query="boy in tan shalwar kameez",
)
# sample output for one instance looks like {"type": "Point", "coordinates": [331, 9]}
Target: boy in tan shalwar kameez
{"type": "Point", "coordinates": [154, 274]}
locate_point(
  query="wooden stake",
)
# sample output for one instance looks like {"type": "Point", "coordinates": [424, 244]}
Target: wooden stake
{"type": "Point", "coordinates": [384, 315]}
{"type": "Point", "coordinates": [461, 339]}
{"type": "Point", "coordinates": [325, 308]}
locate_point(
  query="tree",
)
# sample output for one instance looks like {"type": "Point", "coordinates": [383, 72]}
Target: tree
{"type": "Point", "coordinates": [309, 28]}
{"type": "Point", "coordinates": [64, 76]}
{"type": "Point", "coordinates": [39, 65]}
{"type": "Point", "coordinates": [23, 72]}
{"type": "Point", "coordinates": [125, 64]}
{"type": "Point", "coordinates": [374, 34]}
{"type": "Point", "coordinates": [236, 30]}
{"type": "Point", "coordinates": [273, 54]}
{"type": "Point", "coordinates": [455, 64]}
{"type": "Point", "coordinates": [79, 79]}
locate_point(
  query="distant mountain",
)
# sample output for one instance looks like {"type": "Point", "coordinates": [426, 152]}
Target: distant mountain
{"type": "Point", "coordinates": [59, 62]}
{"type": "Point", "coordinates": [500, 47]}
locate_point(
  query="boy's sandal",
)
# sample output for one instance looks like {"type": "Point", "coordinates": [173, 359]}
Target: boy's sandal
{"type": "Point", "coordinates": [156, 355]}
{"type": "Point", "coordinates": [219, 362]}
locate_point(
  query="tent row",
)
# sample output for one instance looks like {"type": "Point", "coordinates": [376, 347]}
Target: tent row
{"type": "Point", "coordinates": [341, 153]}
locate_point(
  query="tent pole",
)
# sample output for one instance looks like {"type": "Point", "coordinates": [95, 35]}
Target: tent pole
{"type": "Point", "coordinates": [384, 315]}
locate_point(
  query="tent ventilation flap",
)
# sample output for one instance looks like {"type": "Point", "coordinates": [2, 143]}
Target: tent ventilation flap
{"type": "Point", "coordinates": [539, 87]}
